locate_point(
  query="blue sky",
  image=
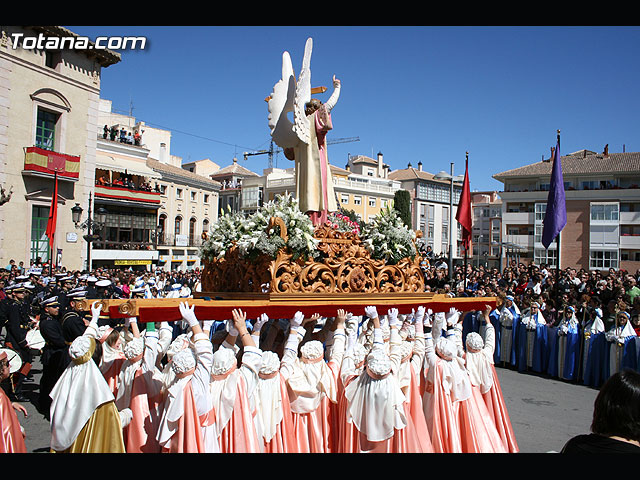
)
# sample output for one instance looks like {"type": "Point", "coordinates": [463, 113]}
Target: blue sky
{"type": "Point", "coordinates": [415, 94]}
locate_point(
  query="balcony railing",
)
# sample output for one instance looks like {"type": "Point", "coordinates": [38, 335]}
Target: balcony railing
{"type": "Point", "coordinates": [128, 194]}
{"type": "Point", "coordinates": [172, 240]}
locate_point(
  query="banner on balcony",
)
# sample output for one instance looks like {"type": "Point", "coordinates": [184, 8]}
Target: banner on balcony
{"type": "Point", "coordinates": [45, 161]}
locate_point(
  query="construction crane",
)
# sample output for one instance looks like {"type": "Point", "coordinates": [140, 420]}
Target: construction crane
{"type": "Point", "coordinates": [271, 150]}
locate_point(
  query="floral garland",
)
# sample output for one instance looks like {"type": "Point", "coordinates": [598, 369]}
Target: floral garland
{"type": "Point", "coordinates": [387, 237]}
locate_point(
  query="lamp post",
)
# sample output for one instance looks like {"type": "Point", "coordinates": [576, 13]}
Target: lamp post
{"type": "Point", "coordinates": [442, 175]}
{"type": "Point", "coordinates": [90, 225]}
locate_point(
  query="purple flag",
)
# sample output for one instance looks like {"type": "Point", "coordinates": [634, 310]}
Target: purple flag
{"type": "Point", "coordinates": [555, 217]}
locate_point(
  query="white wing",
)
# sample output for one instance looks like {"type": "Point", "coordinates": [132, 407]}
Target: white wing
{"type": "Point", "coordinates": [280, 104]}
{"type": "Point", "coordinates": [303, 95]}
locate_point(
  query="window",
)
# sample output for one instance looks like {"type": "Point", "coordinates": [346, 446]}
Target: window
{"type": "Point", "coordinates": [206, 198]}
{"type": "Point", "coordinates": [46, 129]}
{"type": "Point", "coordinates": [39, 241]}
{"type": "Point", "coordinates": [344, 198]}
{"type": "Point", "coordinates": [177, 225]}
{"type": "Point", "coordinates": [604, 211]}
{"type": "Point", "coordinates": [540, 210]}
{"type": "Point", "coordinates": [178, 193]}
{"type": "Point", "coordinates": [603, 259]}
{"type": "Point", "coordinates": [194, 196]}
{"type": "Point", "coordinates": [372, 201]}
{"type": "Point", "coordinates": [357, 200]}
{"type": "Point", "coordinates": [541, 255]}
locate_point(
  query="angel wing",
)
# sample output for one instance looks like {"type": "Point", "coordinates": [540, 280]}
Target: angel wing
{"type": "Point", "coordinates": [281, 104]}
{"type": "Point", "coordinates": [287, 97]}
{"type": "Point", "coordinates": [303, 95]}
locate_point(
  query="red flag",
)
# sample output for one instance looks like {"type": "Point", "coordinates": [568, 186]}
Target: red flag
{"type": "Point", "coordinates": [463, 215]}
{"type": "Point", "coordinates": [53, 212]}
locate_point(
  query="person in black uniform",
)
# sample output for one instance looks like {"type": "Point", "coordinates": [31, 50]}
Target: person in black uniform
{"type": "Point", "coordinates": [55, 354]}
{"type": "Point", "coordinates": [92, 292]}
{"type": "Point", "coordinates": [4, 306]}
{"type": "Point", "coordinates": [18, 324]}
{"type": "Point", "coordinates": [73, 324]}
{"type": "Point", "coordinates": [66, 284]}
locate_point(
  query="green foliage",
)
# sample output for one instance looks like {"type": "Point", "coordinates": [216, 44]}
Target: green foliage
{"type": "Point", "coordinates": [402, 204]}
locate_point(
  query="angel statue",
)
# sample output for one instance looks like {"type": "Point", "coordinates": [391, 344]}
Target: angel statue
{"type": "Point", "coordinates": [303, 139]}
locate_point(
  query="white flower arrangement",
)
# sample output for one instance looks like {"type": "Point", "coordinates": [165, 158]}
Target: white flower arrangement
{"type": "Point", "coordinates": [387, 237]}
{"type": "Point", "coordinates": [254, 237]}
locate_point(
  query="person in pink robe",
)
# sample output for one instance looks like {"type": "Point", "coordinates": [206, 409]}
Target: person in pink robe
{"type": "Point", "coordinates": [482, 372]}
{"type": "Point", "coordinates": [456, 417]}
{"type": "Point", "coordinates": [112, 356]}
{"type": "Point", "coordinates": [312, 386]}
{"type": "Point", "coordinates": [410, 372]}
{"type": "Point", "coordinates": [353, 363]}
{"type": "Point", "coordinates": [11, 432]}
{"type": "Point", "coordinates": [137, 390]}
{"type": "Point", "coordinates": [187, 398]}
{"type": "Point", "coordinates": [377, 407]}
{"type": "Point", "coordinates": [232, 390]}
{"type": "Point", "coordinates": [274, 421]}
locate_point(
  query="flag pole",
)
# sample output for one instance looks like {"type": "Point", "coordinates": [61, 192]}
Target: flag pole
{"type": "Point", "coordinates": [466, 245]}
{"type": "Point", "coordinates": [558, 297]}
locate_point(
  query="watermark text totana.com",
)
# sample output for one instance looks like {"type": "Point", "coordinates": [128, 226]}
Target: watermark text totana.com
{"type": "Point", "coordinates": [42, 42]}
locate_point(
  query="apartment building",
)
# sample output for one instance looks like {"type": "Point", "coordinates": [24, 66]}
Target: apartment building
{"type": "Point", "coordinates": [49, 102]}
{"type": "Point", "coordinates": [486, 234]}
{"type": "Point", "coordinates": [231, 179]}
{"type": "Point", "coordinates": [431, 207]}
{"type": "Point", "coordinates": [365, 186]}
{"type": "Point", "coordinates": [602, 192]}
{"type": "Point", "coordinates": [157, 217]}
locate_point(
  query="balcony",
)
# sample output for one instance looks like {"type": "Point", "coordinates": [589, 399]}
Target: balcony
{"type": "Point", "coordinates": [630, 241]}
{"type": "Point", "coordinates": [41, 162]}
{"type": "Point", "coordinates": [120, 193]}
{"type": "Point", "coordinates": [520, 218]}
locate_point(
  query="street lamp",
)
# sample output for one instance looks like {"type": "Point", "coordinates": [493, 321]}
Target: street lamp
{"type": "Point", "coordinates": [90, 225]}
{"type": "Point", "coordinates": [442, 175]}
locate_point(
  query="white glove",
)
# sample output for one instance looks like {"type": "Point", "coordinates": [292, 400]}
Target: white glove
{"type": "Point", "coordinates": [261, 320]}
{"type": "Point", "coordinates": [428, 318]}
{"type": "Point", "coordinates": [452, 316]}
{"type": "Point", "coordinates": [95, 311]}
{"type": "Point", "coordinates": [392, 316]}
{"type": "Point", "coordinates": [419, 316]}
{"type": "Point", "coordinates": [371, 312]}
{"type": "Point", "coordinates": [207, 324]}
{"type": "Point", "coordinates": [188, 314]}
{"type": "Point", "coordinates": [297, 319]}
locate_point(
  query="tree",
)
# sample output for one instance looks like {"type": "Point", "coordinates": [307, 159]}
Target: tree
{"type": "Point", "coordinates": [402, 203]}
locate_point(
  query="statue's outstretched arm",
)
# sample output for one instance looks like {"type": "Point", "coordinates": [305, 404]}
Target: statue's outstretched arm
{"type": "Point", "coordinates": [334, 96]}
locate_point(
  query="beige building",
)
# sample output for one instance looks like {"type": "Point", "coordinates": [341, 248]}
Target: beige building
{"type": "Point", "coordinates": [363, 193]}
{"type": "Point", "coordinates": [49, 102]}
{"type": "Point", "coordinates": [432, 210]}
{"type": "Point", "coordinates": [158, 222]}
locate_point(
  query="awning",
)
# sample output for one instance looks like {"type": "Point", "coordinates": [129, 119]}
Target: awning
{"type": "Point", "coordinates": [121, 165]}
